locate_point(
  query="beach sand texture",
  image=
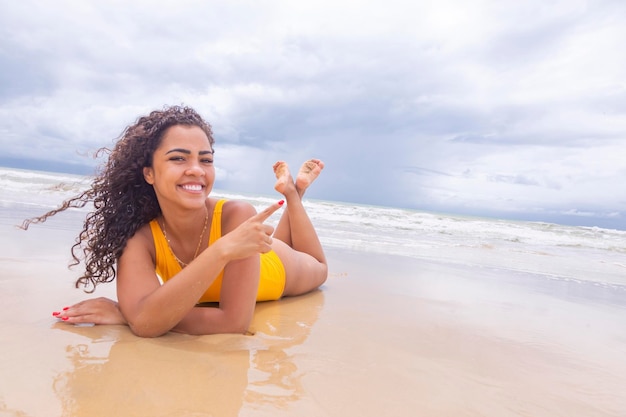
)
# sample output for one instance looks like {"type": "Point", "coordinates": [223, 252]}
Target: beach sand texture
{"type": "Point", "coordinates": [385, 336]}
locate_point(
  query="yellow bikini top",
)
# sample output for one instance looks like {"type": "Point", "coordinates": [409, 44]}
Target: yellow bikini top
{"type": "Point", "coordinates": [167, 266]}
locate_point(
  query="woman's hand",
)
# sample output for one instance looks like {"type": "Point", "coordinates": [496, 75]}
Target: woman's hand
{"type": "Point", "coordinates": [251, 237]}
{"type": "Point", "coordinates": [96, 310]}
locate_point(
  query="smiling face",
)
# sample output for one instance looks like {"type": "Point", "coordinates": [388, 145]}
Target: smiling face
{"type": "Point", "coordinates": [182, 171]}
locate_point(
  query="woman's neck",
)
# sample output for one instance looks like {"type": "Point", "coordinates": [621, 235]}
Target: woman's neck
{"type": "Point", "coordinates": [183, 224]}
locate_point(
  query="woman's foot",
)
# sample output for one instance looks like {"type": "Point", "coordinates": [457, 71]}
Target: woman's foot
{"type": "Point", "coordinates": [309, 171]}
{"type": "Point", "coordinates": [284, 180]}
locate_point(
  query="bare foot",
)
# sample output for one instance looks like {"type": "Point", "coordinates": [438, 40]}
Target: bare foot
{"type": "Point", "coordinates": [283, 177]}
{"type": "Point", "coordinates": [309, 171]}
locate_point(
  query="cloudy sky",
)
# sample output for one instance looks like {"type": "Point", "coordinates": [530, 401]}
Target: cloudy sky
{"type": "Point", "coordinates": [513, 109]}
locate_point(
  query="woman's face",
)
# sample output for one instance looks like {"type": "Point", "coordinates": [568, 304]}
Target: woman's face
{"type": "Point", "coordinates": [182, 171]}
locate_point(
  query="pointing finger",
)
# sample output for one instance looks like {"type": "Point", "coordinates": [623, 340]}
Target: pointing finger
{"type": "Point", "coordinates": [265, 214]}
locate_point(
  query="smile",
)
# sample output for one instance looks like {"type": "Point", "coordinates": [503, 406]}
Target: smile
{"type": "Point", "coordinates": [191, 187]}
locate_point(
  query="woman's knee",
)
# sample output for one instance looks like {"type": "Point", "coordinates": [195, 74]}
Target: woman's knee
{"type": "Point", "coordinates": [305, 278]}
{"type": "Point", "coordinates": [323, 273]}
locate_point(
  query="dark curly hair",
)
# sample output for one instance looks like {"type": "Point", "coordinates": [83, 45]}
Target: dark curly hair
{"type": "Point", "coordinates": [123, 201]}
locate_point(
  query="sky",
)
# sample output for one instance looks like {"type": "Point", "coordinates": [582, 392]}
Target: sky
{"type": "Point", "coordinates": [508, 109]}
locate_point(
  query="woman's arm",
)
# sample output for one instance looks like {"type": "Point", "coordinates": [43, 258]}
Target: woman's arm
{"type": "Point", "coordinates": [238, 290]}
{"type": "Point", "coordinates": [237, 302]}
{"type": "Point", "coordinates": [152, 309]}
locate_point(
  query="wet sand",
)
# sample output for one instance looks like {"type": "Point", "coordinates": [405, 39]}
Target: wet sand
{"type": "Point", "coordinates": [385, 336]}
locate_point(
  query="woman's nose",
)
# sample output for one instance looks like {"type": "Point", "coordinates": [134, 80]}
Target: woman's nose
{"type": "Point", "coordinates": [195, 169]}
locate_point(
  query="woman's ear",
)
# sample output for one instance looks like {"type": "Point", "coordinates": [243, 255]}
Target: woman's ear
{"type": "Point", "coordinates": [148, 175]}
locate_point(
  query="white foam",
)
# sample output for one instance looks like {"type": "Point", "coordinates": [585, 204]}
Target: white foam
{"type": "Point", "coordinates": [586, 253]}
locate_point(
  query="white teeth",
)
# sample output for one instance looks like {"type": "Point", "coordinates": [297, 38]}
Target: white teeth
{"type": "Point", "coordinates": [192, 187]}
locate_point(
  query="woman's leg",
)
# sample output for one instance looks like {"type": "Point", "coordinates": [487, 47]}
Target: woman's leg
{"type": "Point", "coordinates": [305, 265]}
{"type": "Point", "coordinates": [309, 171]}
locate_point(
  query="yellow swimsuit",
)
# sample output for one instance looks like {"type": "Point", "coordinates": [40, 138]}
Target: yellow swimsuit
{"type": "Point", "coordinates": [272, 279]}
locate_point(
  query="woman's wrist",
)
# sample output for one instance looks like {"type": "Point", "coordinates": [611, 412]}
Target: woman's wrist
{"type": "Point", "coordinates": [221, 256]}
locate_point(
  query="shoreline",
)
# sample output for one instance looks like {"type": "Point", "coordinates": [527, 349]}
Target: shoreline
{"type": "Point", "coordinates": [386, 335]}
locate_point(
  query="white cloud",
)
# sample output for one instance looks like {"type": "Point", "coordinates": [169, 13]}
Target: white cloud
{"type": "Point", "coordinates": [483, 106]}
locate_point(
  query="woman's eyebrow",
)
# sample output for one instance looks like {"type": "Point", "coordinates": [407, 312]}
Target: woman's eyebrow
{"type": "Point", "coordinates": [185, 151]}
{"type": "Point", "coordinates": [188, 152]}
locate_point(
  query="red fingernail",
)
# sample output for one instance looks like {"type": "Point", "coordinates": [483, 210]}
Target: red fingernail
{"type": "Point", "coordinates": [65, 308]}
{"type": "Point", "coordinates": [65, 318]}
{"type": "Point", "coordinates": [281, 202]}
{"type": "Point", "coordinates": [55, 313]}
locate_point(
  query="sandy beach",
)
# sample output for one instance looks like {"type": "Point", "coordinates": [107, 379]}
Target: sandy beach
{"type": "Point", "coordinates": [385, 336]}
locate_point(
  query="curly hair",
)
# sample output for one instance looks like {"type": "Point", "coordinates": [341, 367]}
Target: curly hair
{"type": "Point", "coordinates": [122, 200]}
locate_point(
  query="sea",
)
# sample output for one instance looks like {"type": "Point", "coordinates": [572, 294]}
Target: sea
{"type": "Point", "coordinates": [592, 255]}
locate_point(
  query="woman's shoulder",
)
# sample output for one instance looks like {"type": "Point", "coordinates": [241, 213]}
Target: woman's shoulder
{"type": "Point", "coordinates": [143, 236]}
{"type": "Point", "coordinates": [235, 212]}
{"type": "Point", "coordinates": [230, 207]}
{"type": "Point", "coordinates": [140, 244]}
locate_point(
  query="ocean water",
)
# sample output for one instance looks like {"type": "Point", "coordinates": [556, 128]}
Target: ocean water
{"type": "Point", "coordinates": [557, 252]}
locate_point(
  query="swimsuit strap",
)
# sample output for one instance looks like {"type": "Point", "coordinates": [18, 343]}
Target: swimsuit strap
{"type": "Point", "coordinates": [216, 222]}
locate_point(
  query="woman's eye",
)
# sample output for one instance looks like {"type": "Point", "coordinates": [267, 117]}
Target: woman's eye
{"type": "Point", "coordinates": [177, 158]}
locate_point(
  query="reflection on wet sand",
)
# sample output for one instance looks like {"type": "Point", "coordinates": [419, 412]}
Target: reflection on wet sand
{"type": "Point", "coordinates": [117, 373]}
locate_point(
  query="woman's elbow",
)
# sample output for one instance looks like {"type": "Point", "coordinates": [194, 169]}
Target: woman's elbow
{"type": "Point", "coordinates": [237, 326]}
{"type": "Point", "coordinates": [145, 330]}
{"type": "Point", "coordinates": [241, 329]}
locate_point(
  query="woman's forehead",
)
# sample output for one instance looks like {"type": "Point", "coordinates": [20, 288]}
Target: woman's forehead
{"type": "Point", "coordinates": [178, 135]}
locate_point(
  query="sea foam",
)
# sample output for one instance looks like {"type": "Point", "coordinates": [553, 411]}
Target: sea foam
{"type": "Point", "coordinates": [552, 250]}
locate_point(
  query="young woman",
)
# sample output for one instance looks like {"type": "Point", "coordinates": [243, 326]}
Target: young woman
{"type": "Point", "coordinates": [171, 246]}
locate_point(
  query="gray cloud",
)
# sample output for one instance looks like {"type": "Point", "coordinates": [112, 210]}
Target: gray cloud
{"type": "Point", "coordinates": [504, 108]}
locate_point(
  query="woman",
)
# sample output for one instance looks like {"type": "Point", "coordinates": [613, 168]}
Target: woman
{"type": "Point", "coordinates": [153, 220]}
